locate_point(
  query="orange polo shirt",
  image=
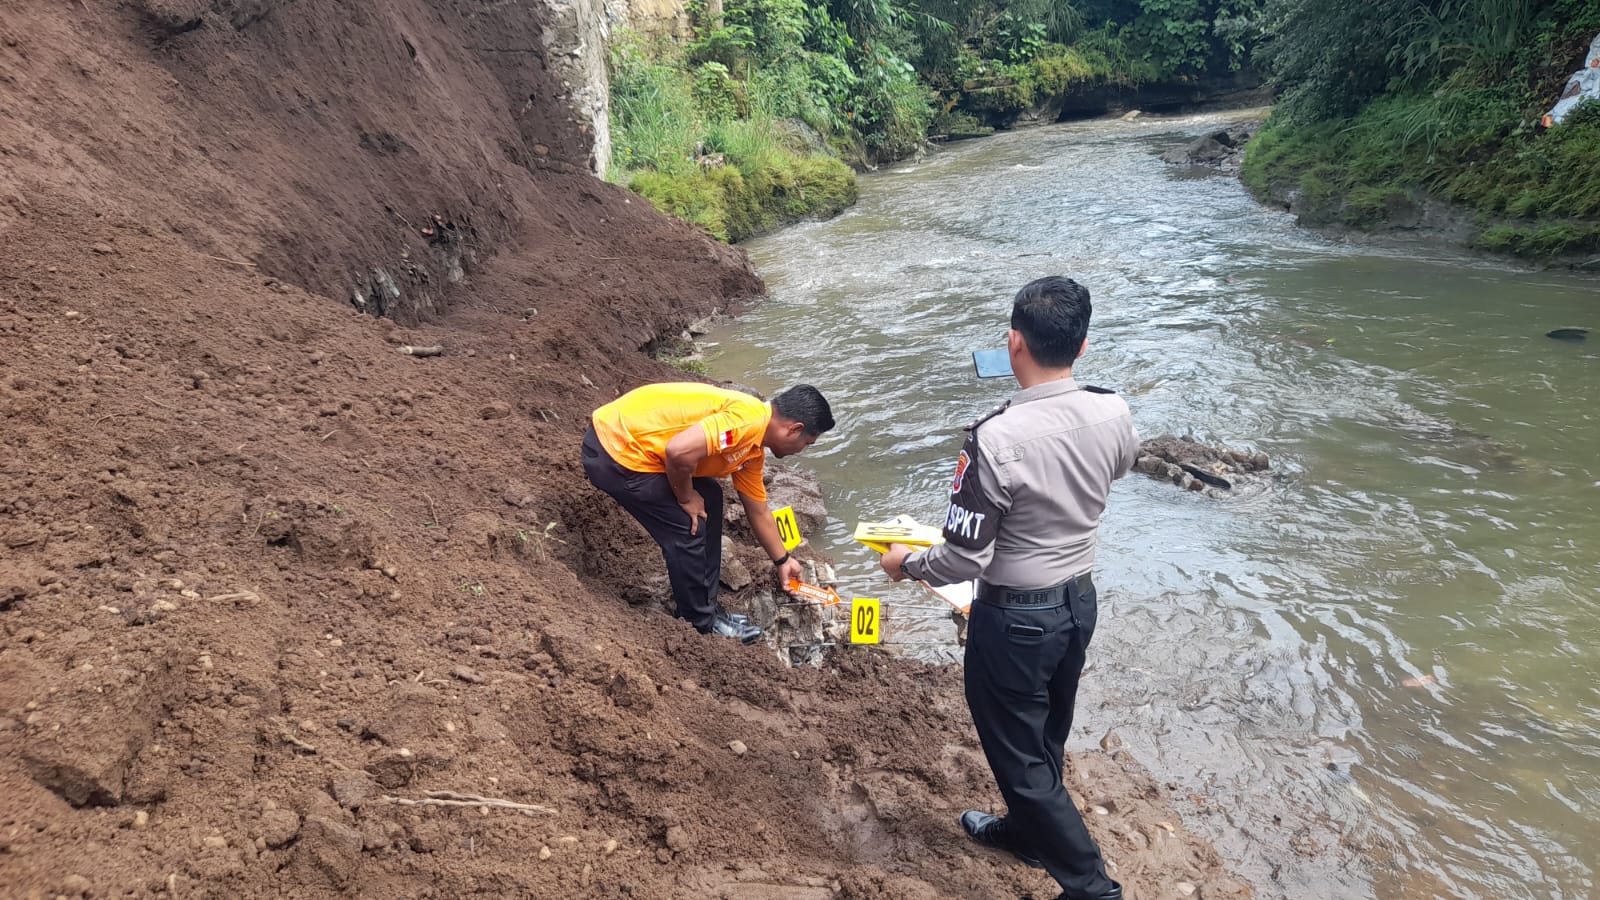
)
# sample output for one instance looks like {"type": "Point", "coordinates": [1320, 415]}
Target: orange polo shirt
{"type": "Point", "coordinates": [636, 427]}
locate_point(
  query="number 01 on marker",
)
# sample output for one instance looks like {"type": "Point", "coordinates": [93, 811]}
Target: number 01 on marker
{"type": "Point", "coordinates": [866, 627]}
{"type": "Point", "coordinates": [788, 528]}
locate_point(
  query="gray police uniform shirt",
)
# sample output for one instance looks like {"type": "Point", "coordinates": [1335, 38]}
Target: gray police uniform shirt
{"type": "Point", "coordinates": [1030, 485]}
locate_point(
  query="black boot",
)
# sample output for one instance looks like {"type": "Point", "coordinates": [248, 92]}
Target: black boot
{"type": "Point", "coordinates": [990, 831]}
{"type": "Point", "coordinates": [725, 626]}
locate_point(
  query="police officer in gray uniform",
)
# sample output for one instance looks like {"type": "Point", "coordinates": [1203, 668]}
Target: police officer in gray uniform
{"type": "Point", "coordinates": [1030, 485]}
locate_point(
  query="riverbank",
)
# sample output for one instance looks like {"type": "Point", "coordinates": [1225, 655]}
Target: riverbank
{"type": "Point", "coordinates": [273, 580]}
{"type": "Point", "coordinates": [1535, 197]}
{"type": "Point", "coordinates": [1435, 129]}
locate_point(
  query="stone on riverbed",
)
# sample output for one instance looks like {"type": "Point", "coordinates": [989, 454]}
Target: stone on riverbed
{"type": "Point", "coordinates": [1193, 466]}
{"type": "Point", "coordinates": [1223, 148]}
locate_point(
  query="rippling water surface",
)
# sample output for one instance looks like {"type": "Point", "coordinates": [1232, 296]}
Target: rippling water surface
{"type": "Point", "coordinates": [1434, 514]}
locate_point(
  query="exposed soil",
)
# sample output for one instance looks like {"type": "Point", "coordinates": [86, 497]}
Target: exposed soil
{"type": "Point", "coordinates": [262, 575]}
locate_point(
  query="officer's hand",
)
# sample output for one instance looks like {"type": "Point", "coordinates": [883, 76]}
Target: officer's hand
{"type": "Point", "coordinates": [789, 571]}
{"type": "Point", "coordinates": [696, 508]}
{"type": "Point", "coordinates": [891, 560]}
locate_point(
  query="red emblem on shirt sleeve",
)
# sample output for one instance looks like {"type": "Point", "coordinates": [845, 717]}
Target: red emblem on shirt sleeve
{"type": "Point", "coordinates": [962, 462]}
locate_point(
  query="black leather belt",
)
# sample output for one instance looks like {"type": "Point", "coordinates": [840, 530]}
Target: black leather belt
{"type": "Point", "coordinates": [1002, 597]}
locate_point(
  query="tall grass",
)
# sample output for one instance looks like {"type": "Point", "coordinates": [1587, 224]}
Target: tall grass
{"type": "Point", "coordinates": [655, 120]}
{"type": "Point", "coordinates": [712, 149]}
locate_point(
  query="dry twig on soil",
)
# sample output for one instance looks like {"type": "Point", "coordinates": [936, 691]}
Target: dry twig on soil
{"type": "Point", "coordinates": [451, 798]}
{"type": "Point", "coordinates": [435, 350]}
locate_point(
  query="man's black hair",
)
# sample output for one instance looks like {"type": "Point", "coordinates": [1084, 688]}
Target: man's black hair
{"type": "Point", "coordinates": [806, 405]}
{"type": "Point", "coordinates": [1052, 313]}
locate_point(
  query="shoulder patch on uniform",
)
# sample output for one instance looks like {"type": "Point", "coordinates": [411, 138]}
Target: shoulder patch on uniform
{"type": "Point", "coordinates": [1098, 390]}
{"type": "Point", "coordinates": [991, 414]}
{"type": "Point", "coordinates": [971, 520]}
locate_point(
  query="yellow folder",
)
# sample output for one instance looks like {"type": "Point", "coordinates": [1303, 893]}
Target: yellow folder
{"type": "Point", "coordinates": [898, 530]}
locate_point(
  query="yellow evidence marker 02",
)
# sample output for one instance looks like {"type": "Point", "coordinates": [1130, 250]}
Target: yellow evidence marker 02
{"type": "Point", "coordinates": [788, 528]}
{"type": "Point", "coordinates": [866, 625]}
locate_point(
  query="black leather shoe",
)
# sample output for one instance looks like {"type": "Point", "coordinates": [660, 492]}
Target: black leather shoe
{"type": "Point", "coordinates": [990, 831]}
{"type": "Point", "coordinates": [725, 625]}
{"type": "Point", "coordinates": [741, 618]}
{"type": "Point", "coordinates": [1114, 894]}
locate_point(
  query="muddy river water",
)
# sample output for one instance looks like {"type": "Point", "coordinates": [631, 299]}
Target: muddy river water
{"type": "Point", "coordinates": [1377, 677]}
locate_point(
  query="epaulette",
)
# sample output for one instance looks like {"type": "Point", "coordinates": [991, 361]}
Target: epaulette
{"type": "Point", "coordinates": [992, 413]}
{"type": "Point", "coordinates": [1097, 390]}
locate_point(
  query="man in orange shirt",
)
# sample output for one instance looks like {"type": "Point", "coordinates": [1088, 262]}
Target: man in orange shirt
{"type": "Point", "coordinates": [658, 450]}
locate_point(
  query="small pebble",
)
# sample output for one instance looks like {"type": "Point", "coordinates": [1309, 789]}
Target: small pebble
{"type": "Point", "coordinates": [544, 853]}
{"type": "Point", "coordinates": [608, 848]}
{"type": "Point", "coordinates": [737, 747]}
{"type": "Point", "coordinates": [1185, 888]}
{"type": "Point", "coordinates": [141, 819]}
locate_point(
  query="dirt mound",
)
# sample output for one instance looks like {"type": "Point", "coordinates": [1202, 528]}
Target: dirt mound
{"type": "Point", "coordinates": [274, 596]}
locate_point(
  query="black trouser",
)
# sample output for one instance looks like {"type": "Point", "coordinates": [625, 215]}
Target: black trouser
{"type": "Point", "coordinates": [694, 561]}
{"type": "Point", "coordinates": [1021, 686]}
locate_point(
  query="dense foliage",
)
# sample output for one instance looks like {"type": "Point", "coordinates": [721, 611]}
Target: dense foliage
{"type": "Point", "coordinates": [742, 126]}
{"type": "Point", "coordinates": [1389, 101]}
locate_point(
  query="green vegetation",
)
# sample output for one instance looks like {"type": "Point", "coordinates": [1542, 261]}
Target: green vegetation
{"type": "Point", "coordinates": [749, 124]}
{"type": "Point", "coordinates": [1395, 100]}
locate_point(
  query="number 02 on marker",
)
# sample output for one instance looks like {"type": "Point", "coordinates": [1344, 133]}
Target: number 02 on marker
{"type": "Point", "coordinates": [865, 625]}
{"type": "Point", "coordinates": [788, 529]}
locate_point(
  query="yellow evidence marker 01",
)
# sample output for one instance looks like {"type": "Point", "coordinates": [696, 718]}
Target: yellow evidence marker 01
{"type": "Point", "coordinates": [788, 528]}
{"type": "Point", "coordinates": [866, 626]}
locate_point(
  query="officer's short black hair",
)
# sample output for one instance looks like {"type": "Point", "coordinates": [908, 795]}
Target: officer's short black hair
{"type": "Point", "coordinates": [806, 405]}
{"type": "Point", "coordinates": [1052, 313]}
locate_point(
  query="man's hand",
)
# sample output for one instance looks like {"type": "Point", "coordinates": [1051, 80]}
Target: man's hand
{"type": "Point", "coordinates": [696, 509]}
{"type": "Point", "coordinates": [891, 561]}
{"type": "Point", "coordinates": [789, 571]}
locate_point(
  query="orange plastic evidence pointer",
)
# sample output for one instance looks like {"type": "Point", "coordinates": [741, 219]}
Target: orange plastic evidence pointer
{"type": "Point", "coordinates": [825, 596]}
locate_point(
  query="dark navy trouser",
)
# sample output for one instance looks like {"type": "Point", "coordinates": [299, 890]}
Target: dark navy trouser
{"type": "Point", "coordinates": [1021, 687]}
{"type": "Point", "coordinates": [694, 561]}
